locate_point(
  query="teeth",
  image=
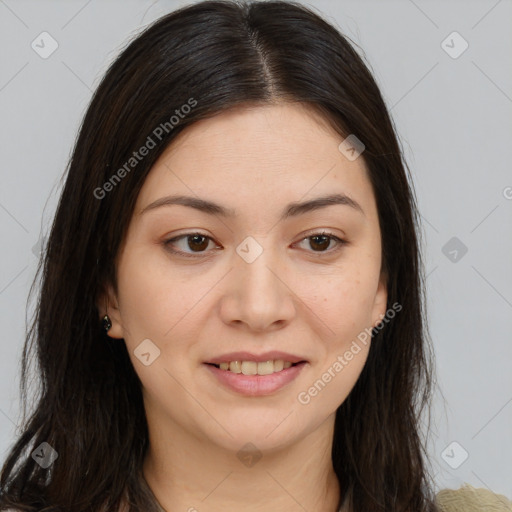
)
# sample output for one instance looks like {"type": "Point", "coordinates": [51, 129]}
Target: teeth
{"type": "Point", "coordinates": [235, 366]}
{"type": "Point", "coordinates": [254, 368]}
{"type": "Point", "coordinates": [266, 368]}
{"type": "Point", "coordinates": [249, 368]}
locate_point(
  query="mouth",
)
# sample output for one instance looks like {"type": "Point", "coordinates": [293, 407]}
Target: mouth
{"type": "Point", "coordinates": [256, 368]}
{"type": "Point", "coordinates": [256, 378]}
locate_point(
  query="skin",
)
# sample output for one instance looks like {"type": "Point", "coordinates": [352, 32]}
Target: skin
{"type": "Point", "coordinates": [295, 297]}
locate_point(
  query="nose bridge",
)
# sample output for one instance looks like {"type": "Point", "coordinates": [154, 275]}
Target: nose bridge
{"type": "Point", "coordinates": [259, 298]}
{"type": "Point", "coordinates": [257, 282]}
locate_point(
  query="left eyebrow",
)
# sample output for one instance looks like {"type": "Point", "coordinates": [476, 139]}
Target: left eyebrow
{"type": "Point", "coordinates": [294, 209]}
{"type": "Point", "coordinates": [291, 210]}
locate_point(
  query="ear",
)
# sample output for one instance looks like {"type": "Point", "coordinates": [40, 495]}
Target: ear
{"type": "Point", "coordinates": [107, 304]}
{"type": "Point", "coordinates": [380, 301]}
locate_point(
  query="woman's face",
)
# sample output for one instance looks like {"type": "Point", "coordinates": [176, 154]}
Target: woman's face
{"type": "Point", "coordinates": [254, 275]}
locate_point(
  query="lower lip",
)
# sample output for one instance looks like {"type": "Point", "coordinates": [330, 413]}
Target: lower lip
{"type": "Point", "coordinates": [256, 385]}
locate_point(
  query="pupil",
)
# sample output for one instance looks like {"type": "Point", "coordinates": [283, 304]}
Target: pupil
{"type": "Point", "coordinates": [196, 239]}
{"type": "Point", "coordinates": [324, 238]}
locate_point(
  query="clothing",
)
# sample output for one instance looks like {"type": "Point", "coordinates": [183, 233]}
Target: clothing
{"type": "Point", "coordinates": [469, 499]}
{"type": "Point", "coordinates": [464, 499]}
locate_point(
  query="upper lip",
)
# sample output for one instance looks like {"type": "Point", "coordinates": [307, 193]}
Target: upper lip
{"type": "Point", "coordinates": [259, 358]}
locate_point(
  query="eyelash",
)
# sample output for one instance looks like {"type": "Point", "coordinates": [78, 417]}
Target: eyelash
{"type": "Point", "coordinates": [332, 236]}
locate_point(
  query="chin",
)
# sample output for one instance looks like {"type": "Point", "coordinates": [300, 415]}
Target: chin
{"type": "Point", "coordinates": [256, 437]}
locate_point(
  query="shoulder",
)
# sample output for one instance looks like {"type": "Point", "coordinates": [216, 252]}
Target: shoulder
{"type": "Point", "coordinates": [469, 499]}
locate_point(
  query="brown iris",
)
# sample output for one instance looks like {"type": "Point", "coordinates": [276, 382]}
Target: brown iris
{"type": "Point", "coordinates": [321, 241]}
{"type": "Point", "coordinates": [199, 242]}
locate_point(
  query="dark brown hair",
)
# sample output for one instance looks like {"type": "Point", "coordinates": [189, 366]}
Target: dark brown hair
{"type": "Point", "coordinates": [88, 405]}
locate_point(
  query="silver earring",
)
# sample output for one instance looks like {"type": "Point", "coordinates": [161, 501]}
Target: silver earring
{"type": "Point", "coordinates": [107, 324]}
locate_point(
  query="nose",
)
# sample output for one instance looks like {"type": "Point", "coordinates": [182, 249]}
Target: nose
{"type": "Point", "coordinates": [257, 295]}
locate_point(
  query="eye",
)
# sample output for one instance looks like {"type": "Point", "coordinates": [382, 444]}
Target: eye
{"type": "Point", "coordinates": [321, 242]}
{"type": "Point", "coordinates": [190, 243]}
{"type": "Point", "coordinates": [196, 244]}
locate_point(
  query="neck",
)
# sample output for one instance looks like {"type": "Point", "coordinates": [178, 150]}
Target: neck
{"type": "Point", "coordinates": [188, 473]}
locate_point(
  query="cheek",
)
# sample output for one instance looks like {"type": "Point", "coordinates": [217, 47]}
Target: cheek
{"type": "Point", "coordinates": [346, 306]}
{"type": "Point", "coordinates": [151, 300]}
{"type": "Point", "coordinates": [160, 306]}
{"type": "Point", "coordinates": [334, 381]}
{"type": "Point", "coordinates": [344, 301]}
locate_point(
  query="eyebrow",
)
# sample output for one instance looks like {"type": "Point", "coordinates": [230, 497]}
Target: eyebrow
{"type": "Point", "coordinates": [291, 210]}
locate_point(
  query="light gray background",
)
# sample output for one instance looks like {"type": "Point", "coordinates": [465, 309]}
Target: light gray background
{"type": "Point", "coordinates": [454, 117]}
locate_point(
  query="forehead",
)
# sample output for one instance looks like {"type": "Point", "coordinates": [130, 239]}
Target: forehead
{"type": "Point", "coordinates": [253, 135]}
{"type": "Point", "coordinates": [265, 154]}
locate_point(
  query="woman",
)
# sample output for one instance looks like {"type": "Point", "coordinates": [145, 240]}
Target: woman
{"type": "Point", "coordinates": [231, 305]}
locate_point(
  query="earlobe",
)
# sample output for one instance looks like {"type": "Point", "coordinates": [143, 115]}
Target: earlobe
{"type": "Point", "coordinates": [110, 317]}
